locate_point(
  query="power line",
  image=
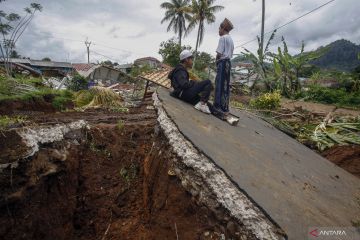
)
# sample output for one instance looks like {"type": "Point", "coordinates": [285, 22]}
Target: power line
{"type": "Point", "coordinates": [110, 58]}
{"type": "Point", "coordinates": [45, 35]}
{"type": "Point", "coordinates": [315, 9]}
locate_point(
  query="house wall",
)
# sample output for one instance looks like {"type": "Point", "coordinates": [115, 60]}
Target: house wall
{"type": "Point", "coordinates": [109, 76]}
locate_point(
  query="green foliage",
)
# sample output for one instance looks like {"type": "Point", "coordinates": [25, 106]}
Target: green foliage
{"type": "Point", "coordinates": [6, 121]}
{"type": "Point", "coordinates": [138, 70]}
{"type": "Point", "coordinates": [46, 59]}
{"type": "Point", "coordinates": [341, 133]}
{"type": "Point", "coordinates": [203, 61]}
{"type": "Point", "coordinates": [120, 124]}
{"type": "Point", "coordinates": [202, 11]}
{"type": "Point", "coordinates": [258, 59]}
{"type": "Point", "coordinates": [267, 101]}
{"type": "Point", "coordinates": [129, 173]}
{"type": "Point", "coordinates": [198, 75]}
{"type": "Point", "coordinates": [240, 58]}
{"type": "Point", "coordinates": [5, 87]}
{"type": "Point", "coordinates": [119, 109]}
{"type": "Point", "coordinates": [236, 104]}
{"type": "Point", "coordinates": [308, 70]}
{"type": "Point", "coordinates": [339, 97]}
{"type": "Point", "coordinates": [341, 55]}
{"type": "Point", "coordinates": [14, 54]}
{"type": "Point", "coordinates": [177, 13]}
{"type": "Point", "coordinates": [62, 98]}
{"type": "Point", "coordinates": [287, 68]}
{"type": "Point", "coordinates": [60, 102]}
{"type": "Point", "coordinates": [83, 98]}
{"type": "Point", "coordinates": [170, 51]}
{"type": "Point", "coordinates": [356, 78]}
{"type": "Point", "coordinates": [77, 83]}
{"type": "Point", "coordinates": [12, 26]}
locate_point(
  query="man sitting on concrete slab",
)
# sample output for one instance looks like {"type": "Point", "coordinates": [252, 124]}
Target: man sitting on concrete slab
{"type": "Point", "coordinates": [196, 93]}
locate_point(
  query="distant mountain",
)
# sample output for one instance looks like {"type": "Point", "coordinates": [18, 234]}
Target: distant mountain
{"type": "Point", "coordinates": [340, 55]}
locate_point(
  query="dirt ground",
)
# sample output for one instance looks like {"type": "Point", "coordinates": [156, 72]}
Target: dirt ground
{"type": "Point", "coordinates": [318, 108]}
{"type": "Point", "coordinates": [346, 157]}
{"type": "Point", "coordinates": [113, 184]}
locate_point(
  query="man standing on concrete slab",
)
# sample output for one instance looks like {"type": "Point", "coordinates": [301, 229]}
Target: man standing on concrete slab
{"type": "Point", "coordinates": [196, 93]}
{"type": "Point", "coordinates": [224, 52]}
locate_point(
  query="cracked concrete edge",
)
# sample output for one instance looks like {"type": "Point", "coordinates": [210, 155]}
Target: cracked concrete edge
{"type": "Point", "coordinates": [208, 177]}
{"type": "Point", "coordinates": [33, 137]}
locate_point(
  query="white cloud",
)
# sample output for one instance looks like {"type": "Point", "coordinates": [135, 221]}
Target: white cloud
{"type": "Point", "coordinates": [125, 30]}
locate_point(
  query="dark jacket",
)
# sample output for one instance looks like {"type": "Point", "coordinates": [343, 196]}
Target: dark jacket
{"type": "Point", "coordinates": [179, 77]}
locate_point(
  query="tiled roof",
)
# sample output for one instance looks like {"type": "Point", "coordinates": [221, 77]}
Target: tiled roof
{"type": "Point", "coordinates": [158, 77]}
{"type": "Point", "coordinates": [85, 69]}
{"type": "Point", "coordinates": [82, 66]}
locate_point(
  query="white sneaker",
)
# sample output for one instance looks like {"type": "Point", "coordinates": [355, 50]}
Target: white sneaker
{"type": "Point", "coordinates": [203, 107]}
{"type": "Point", "coordinates": [232, 120]}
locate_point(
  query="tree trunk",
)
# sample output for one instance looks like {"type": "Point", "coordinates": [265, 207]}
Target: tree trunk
{"type": "Point", "coordinates": [5, 62]}
{"type": "Point", "coordinates": [180, 35]}
{"type": "Point", "coordinates": [197, 43]}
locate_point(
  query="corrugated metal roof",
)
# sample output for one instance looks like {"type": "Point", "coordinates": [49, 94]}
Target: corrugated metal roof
{"type": "Point", "coordinates": [124, 66]}
{"type": "Point", "coordinates": [158, 77]}
{"type": "Point", "coordinates": [19, 60]}
{"type": "Point", "coordinates": [37, 63]}
{"type": "Point", "coordinates": [50, 64]}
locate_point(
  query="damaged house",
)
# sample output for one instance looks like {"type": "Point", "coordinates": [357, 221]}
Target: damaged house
{"type": "Point", "coordinates": [41, 68]}
{"type": "Point", "coordinates": [102, 74]}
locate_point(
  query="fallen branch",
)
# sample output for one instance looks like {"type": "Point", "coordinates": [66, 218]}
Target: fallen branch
{"type": "Point", "coordinates": [177, 236]}
{"type": "Point", "coordinates": [108, 228]}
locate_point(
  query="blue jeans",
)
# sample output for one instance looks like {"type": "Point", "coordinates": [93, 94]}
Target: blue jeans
{"type": "Point", "coordinates": [222, 85]}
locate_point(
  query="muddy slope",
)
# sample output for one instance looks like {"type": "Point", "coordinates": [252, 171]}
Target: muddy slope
{"type": "Point", "coordinates": [107, 182]}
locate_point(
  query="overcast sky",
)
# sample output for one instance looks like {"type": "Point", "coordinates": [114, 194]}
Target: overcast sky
{"type": "Point", "coordinates": [125, 30]}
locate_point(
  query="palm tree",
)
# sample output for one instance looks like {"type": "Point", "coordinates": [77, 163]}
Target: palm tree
{"type": "Point", "coordinates": [202, 10]}
{"type": "Point", "coordinates": [177, 12]}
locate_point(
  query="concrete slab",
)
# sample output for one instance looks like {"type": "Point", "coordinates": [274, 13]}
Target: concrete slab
{"type": "Point", "coordinates": [297, 188]}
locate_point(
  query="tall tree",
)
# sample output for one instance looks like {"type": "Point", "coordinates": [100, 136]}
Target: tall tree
{"type": "Point", "coordinates": [202, 11]}
{"type": "Point", "coordinates": [177, 12]}
{"type": "Point", "coordinates": [12, 26]}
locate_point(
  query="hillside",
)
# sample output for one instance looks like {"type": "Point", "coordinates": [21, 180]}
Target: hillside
{"type": "Point", "coordinates": [341, 55]}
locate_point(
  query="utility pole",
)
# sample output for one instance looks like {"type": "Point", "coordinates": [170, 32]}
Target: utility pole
{"type": "Point", "coordinates": [87, 43]}
{"type": "Point", "coordinates": [262, 29]}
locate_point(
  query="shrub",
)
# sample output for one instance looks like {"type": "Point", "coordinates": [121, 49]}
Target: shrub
{"type": "Point", "coordinates": [77, 83]}
{"type": "Point", "coordinates": [83, 98]}
{"type": "Point", "coordinates": [62, 99]}
{"type": "Point", "coordinates": [267, 101]}
{"type": "Point", "coordinates": [339, 96]}
{"type": "Point", "coordinates": [6, 121]}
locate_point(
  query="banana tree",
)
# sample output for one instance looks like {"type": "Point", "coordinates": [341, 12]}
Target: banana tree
{"type": "Point", "coordinates": [287, 67]}
{"type": "Point", "coordinates": [258, 60]}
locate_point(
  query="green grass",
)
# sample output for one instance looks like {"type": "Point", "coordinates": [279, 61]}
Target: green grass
{"type": "Point", "coordinates": [83, 98]}
{"type": "Point", "coordinates": [6, 122]}
{"type": "Point", "coordinates": [339, 97]}
{"type": "Point", "coordinates": [120, 124]}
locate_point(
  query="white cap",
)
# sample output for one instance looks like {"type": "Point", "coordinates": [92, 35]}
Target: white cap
{"type": "Point", "coordinates": [185, 54]}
